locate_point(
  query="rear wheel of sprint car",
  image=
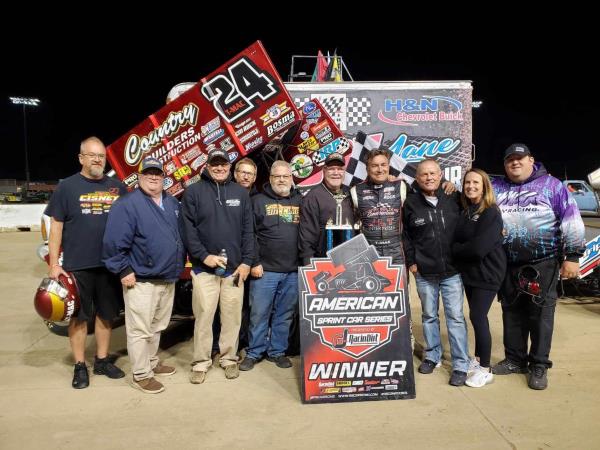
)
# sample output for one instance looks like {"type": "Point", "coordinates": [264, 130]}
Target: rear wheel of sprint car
{"type": "Point", "coordinates": [371, 284]}
{"type": "Point", "coordinates": [322, 286]}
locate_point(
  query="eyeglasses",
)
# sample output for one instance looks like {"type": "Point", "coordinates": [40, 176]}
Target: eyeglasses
{"type": "Point", "coordinates": [94, 156]}
{"type": "Point", "coordinates": [281, 177]}
{"type": "Point", "coordinates": [245, 174]}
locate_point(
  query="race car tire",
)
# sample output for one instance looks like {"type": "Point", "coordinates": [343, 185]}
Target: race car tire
{"type": "Point", "coordinates": [371, 284]}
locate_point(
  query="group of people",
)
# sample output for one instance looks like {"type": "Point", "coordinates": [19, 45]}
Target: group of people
{"type": "Point", "coordinates": [136, 247]}
{"type": "Point", "coordinates": [245, 248]}
{"type": "Point", "coordinates": [513, 237]}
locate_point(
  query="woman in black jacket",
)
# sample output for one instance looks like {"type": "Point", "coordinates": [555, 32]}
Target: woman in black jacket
{"type": "Point", "coordinates": [478, 254]}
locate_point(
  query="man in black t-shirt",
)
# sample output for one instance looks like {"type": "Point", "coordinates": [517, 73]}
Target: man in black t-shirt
{"type": "Point", "coordinates": [78, 210]}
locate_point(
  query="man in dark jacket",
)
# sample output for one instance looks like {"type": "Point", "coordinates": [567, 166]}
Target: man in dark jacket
{"type": "Point", "coordinates": [430, 219]}
{"type": "Point", "coordinates": [217, 215]}
{"type": "Point", "coordinates": [274, 291]}
{"type": "Point", "coordinates": [544, 235]}
{"type": "Point", "coordinates": [142, 244]}
{"type": "Point", "coordinates": [319, 209]}
{"type": "Point", "coordinates": [245, 175]}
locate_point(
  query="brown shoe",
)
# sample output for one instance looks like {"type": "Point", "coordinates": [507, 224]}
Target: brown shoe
{"type": "Point", "coordinates": [231, 371]}
{"type": "Point", "coordinates": [149, 385]}
{"type": "Point", "coordinates": [197, 377]}
{"type": "Point", "coordinates": [163, 370]}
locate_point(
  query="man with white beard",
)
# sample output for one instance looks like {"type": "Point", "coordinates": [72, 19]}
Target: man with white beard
{"type": "Point", "coordinates": [274, 290]}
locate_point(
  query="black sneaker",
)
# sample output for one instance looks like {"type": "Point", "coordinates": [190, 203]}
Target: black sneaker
{"type": "Point", "coordinates": [281, 361]}
{"type": "Point", "coordinates": [248, 363]}
{"type": "Point", "coordinates": [507, 367]}
{"type": "Point", "coordinates": [104, 366]}
{"type": "Point", "coordinates": [427, 366]}
{"type": "Point", "coordinates": [538, 378]}
{"type": "Point", "coordinates": [81, 378]}
{"type": "Point", "coordinates": [458, 378]}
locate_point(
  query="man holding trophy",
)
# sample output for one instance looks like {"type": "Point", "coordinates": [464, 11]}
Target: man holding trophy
{"type": "Point", "coordinates": [326, 214]}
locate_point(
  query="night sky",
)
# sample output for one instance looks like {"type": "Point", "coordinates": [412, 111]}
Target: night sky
{"type": "Point", "coordinates": [535, 86]}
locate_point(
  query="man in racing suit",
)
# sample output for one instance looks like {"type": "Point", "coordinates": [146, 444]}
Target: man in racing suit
{"type": "Point", "coordinates": [378, 204]}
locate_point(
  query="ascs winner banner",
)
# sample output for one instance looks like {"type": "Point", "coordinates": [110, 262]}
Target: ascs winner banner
{"type": "Point", "coordinates": [354, 326]}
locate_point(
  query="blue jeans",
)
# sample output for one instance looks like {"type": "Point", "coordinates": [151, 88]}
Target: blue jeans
{"type": "Point", "coordinates": [274, 297]}
{"type": "Point", "coordinates": [451, 289]}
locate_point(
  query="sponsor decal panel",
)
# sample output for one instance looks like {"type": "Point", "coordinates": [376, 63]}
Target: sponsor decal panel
{"type": "Point", "coordinates": [254, 143]}
{"type": "Point", "coordinates": [309, 144]}
{"type": "Point", "coordinates": [211, 126]}
{"type": "Point", "coordinates": [182, 172]}
{"type": "Point", "coordinates": [226, 144]}
{"type": "Point", "coordinates": [195, 165]}
{"type": "Point", "coordinates": [274, 112]}
{"type": "Point", "coordinates": [302, 166]}
{"type": "Point", "coordinates": [354, 326]}
{"type": "Point", "coordinates": [591, 257]}
{"type": "Point", "coordinates": [280, 124]}
{"type": "Point", "coordinates": [428, 108]}
{"type": "Point", "coordinates": [192, 180]}
{"type": "Point", "coordinates": [249, 135]}
{"type": "Point", "coordinates": [192, 153]}
{"type": "Point", "coordinates": [176, 189]}
{"type": "Point", "coordinates": [213, 136]}
{"type": "Point", "coordinates": [170, 167]}
{"type": "Point", "coordinates": [131, 180]}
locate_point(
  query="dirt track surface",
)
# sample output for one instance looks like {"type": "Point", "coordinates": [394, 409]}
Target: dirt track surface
{"type": "Point", "coordinates": [262, 409]}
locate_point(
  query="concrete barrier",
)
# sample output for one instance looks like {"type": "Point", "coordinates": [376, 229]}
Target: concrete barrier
{"type": "Point", "coordinates": [15, 217]}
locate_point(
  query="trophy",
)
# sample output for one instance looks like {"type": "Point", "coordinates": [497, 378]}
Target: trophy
{"type": "Point", "coordinates": [338, 232]}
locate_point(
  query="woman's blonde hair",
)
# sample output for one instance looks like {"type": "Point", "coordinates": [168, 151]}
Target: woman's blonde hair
{"type": "Point", "coordinates": [488, 198]}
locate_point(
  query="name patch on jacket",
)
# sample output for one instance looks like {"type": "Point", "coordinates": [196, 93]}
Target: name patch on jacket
{"type": "Point", "coordinates": [419, 222]}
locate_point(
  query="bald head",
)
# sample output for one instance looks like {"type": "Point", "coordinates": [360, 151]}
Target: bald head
{"type": "Point", "coordinates": [92, 157]}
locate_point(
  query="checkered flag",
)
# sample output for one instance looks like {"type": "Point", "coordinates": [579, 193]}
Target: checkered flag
{"type": "Point", "coordinates": [358, 112]}
{"type": "Point", "coordinates": [345, 111]}
{"type": "Point", "coordinates": [356, 170]}
{"type": "Point", "coordinates": [332, 105]}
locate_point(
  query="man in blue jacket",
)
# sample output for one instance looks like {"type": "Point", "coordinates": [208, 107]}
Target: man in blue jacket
{"type": "Point", "coordinates": [217, 215]}
{"type": "Point", "coordinates": [143, 245]}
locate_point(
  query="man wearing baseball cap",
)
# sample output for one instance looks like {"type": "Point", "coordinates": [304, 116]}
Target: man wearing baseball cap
{"type": "Point", "coordinates": [143, 246]}
{"type": "Point", "coordinates": [543, 232]}
{"type": "Point", "coordinates": [319, 207]}
{"type": "Point", "coordinates": [217, 215]}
